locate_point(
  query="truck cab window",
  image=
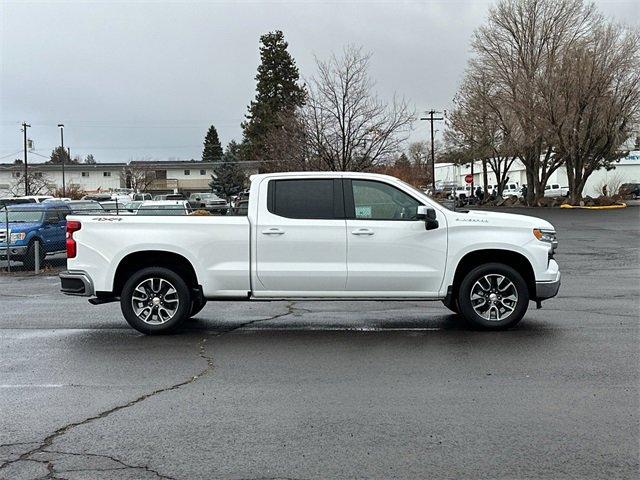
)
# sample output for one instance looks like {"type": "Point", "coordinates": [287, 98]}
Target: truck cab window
{"type": "Point", "coordinates": [380, 201]}
{"type": "Point", "coordinates": [311, 199]}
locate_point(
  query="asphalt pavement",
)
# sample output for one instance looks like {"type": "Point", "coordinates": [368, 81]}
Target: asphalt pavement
{"type": "Point", "coordinates": [302, 390]}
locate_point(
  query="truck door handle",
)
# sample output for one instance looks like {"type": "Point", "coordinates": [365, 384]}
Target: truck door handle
{"type": "Point", "coordinates": [273, 231]}
{"type": "Point", "coordinates": [362, 231]}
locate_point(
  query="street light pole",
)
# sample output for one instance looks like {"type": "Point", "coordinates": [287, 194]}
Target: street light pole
{"type": "Point", "coordinates": [26, 178]}
{"type": "Point", "coordinates": [64, 190]}
{"type": "Point", "coordinates": [431, 118]}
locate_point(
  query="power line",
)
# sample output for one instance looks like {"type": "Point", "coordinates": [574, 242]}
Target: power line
{"type": "Point", "coordinates": [10, 155]}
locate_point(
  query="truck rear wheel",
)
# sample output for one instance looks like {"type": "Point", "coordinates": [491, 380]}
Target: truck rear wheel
{"type": "Point", "coordinates": [155, 300]}
{"type": "Point", "coordinates": [493, 296]}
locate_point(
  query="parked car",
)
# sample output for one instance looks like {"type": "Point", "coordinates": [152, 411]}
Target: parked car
{"type": "Point", "coordinates": [630, 190]}
{"type": "Point", "coordinates": [130, 208]}
{"type": "Point", "coordinates": [241, 208]}
{"type": "Point", "coordinates": [85, 207]}
{"type": "Point", "coordinates": [37, 198]}
{"type": "Point", "coordinates": [141, 197]}
{"type": "Point", "coordinates": [30, 224]}
{"type": "Point", "coordinates": [555, 190]}
{"type": "Point", "coordinates": [14, 201]}
{"type": "Point", "coordinates": [209, 201]}
{"type": "Point", "coordinates": [314, 235]}
{"type": "Point", "coordinates": [170, 196]}
{"type": "Point", "coordinates": [463, 192]}
{"type": "Point", "coordinates": [98, 197]}
{"type": "Point", "coordinates": [164, 207]}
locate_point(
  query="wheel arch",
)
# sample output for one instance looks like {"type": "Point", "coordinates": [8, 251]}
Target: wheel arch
{"type": "Point", "coordinates": [476, 258]}
{"type": "Point", "coordinates": [135, 261]}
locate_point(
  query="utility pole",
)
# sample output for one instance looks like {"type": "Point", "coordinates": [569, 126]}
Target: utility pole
{"type": "Point", "coordinates": [26, 178]}
{"type": "Point", "coordinates": [431, 118]}
{"type": "Point", "coordinates": [64, 190]}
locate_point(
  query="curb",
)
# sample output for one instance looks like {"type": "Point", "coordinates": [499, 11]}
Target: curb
{"type": "Point", "coordinates": [607, 207]}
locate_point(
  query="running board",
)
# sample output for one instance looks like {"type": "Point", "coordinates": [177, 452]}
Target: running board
{"type": "Point", "coordinates": [100, 301]}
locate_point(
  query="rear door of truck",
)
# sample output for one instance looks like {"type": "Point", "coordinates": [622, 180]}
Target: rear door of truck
{"type": "Point", "coordinates": [300, 237]}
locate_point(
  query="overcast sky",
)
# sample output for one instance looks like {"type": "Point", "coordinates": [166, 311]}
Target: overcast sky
{"type": "Point", "coordinates": [134, 80]}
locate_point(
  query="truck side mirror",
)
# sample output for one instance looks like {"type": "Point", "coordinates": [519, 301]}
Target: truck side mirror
{"type": "Point", "coordinates": [429, 216]}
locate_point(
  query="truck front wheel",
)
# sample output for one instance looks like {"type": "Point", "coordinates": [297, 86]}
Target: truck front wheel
{"type": "Point", "coordinates": [155, 300]}
{"type": "Point", "coordinates": [493, 296]}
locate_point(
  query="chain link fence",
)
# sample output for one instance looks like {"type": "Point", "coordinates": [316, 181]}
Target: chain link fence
{"type": "Point", "coordinates": [33, 235]}
{"type": "Point", "coordinates": [32, 238]}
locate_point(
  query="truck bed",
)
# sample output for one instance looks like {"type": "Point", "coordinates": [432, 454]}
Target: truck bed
{"type": "Point", "coordinates": [217, 247]}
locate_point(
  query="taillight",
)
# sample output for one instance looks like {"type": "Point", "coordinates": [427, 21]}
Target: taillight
{"type": "Point", "coordinates": [72, 226]}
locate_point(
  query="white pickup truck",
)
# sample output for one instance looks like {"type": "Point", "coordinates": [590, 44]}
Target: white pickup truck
{"type": "Point", "coordinates": [315, 236]}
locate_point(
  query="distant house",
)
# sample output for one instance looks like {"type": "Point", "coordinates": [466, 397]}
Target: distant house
{"type": "Point", "coordinates": [160, 177]}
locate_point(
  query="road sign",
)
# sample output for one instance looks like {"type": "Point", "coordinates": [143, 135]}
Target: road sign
{"type": "Point", "coordinates": [468, 178]}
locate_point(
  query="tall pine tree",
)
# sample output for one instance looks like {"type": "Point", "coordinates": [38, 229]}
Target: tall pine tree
{"type": "Point", "coordinates": [212, 148]}
{"type": "Point", "coordinates": [277, 94]}
{"type": "Point", "coordinates": [228, 176]}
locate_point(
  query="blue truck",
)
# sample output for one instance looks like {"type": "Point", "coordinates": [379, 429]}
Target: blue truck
{"type": "Point", "coordinates": [25, 225]}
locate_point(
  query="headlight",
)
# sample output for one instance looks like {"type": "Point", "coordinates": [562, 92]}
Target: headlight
{"type": "Point", "coordinates": [548, 236]}
{"type": "Point", "coordinates": [16, 237]}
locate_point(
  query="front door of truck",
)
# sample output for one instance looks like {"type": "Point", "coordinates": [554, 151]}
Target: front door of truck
{"type": "Point", "coordinates": [301, 238]}
{"type": "Point", "coordinates": [389, 250]}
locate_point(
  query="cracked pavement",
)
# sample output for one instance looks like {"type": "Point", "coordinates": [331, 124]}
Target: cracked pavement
{"type": "Point", "coordinates": [277, 390]}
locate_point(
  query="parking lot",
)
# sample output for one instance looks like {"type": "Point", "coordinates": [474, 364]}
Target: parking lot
{"type": "Point", "coordinates": [334, 389]}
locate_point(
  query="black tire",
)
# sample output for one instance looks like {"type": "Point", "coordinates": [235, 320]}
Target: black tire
{"type": "Point", "coordinates": [452, 305]}
{"type": "Point", "coordinates": [489, 274]}
{"type": "Point", "coordinates": [197, 304]}
{"type": "Point", "coordinates": [29, 258]}
{"type": "Point", "coordinates": [155, 323]}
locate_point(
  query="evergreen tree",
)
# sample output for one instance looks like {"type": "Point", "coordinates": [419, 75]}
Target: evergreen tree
{"type": "Point", "coordinates": [277, 94]}
{"type": "Point", "coordinates": [59, 155]}
{"type": "Point", "coordinates": [212, 149]}
{"type": "Point", "coordinates": [90, 160]}
{"type": "Point", "coordinates": [228, 177]}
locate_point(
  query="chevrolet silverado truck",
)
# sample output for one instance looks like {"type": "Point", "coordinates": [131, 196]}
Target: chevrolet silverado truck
{"type": "Point", "coordinates": [315, 236]}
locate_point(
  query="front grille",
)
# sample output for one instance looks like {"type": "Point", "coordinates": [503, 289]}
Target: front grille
{"type": "Point", "coordinates": [3, 236]}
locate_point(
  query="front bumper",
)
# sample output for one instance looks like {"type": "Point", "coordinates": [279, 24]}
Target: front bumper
{"type": "Point", "coordinates": [547, 289]}
{"type": "Point", "coordinates": [76, 283]}
{"type": "Point", "coordinates": [14, 250]}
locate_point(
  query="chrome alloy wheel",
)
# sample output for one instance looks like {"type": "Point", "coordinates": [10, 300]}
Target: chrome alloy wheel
{"type": "Point", "coordinates": [494, 297]}
{"type": "Point", "coordinates": [155, 301]}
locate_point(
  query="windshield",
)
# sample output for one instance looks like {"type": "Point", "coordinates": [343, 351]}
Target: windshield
{"type": "Point", "coordinates": [25, 216]}
{"type": "Point", "coordinates": [162, 210]}
{"type": "Point", "coordinates": [419, 194]}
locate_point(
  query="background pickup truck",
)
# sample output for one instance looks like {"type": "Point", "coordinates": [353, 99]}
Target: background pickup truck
{"type": "Point", "coordinates": [315, 236]}
{"type": "Point", "coordinates": [23, 226]}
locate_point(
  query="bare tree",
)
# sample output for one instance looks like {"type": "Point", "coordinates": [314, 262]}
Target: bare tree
{"type": "Point", "coordinates": [593, 101]}
{"type": "Point", "coordinates": [137, 175]}
{"type": "Point", "coordinates": [348, 126]}
{"type": "Point", "coordinates": [480, 128]}
{"type": "Point", "coordinates": [288, 145]}
{"type": "Point", "coordinates": [519, 47]}
{"type": "Point", "coordinates": [39, 184]}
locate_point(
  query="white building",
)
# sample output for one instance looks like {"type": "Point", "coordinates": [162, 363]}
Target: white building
{"type": "Point", "coordinates": [168, 177]}
{"type": "Point", "coordinates": [627, 170]}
